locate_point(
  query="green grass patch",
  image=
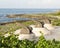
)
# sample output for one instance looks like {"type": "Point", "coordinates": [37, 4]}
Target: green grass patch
{"type": "Point", "coordinates": [28, 23]}
{"type": "Point", "coordinates": [56, 22]}
{"type": "Point", "coordinates": [13, 42]}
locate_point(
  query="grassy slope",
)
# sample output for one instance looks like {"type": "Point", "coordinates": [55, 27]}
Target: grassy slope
{"type": "Point", "coordinates": [11, 27]}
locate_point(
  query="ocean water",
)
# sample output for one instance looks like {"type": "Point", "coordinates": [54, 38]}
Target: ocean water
{"type": "Point", "coordinates": [4, 12]}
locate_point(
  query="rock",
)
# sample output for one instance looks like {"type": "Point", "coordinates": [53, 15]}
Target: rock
{"type": "Point", "coordinates": [48, 26]}
{"type": "Point", "coordinates": [54, 35]}
{"type": "Point", "coordinates": [33, 26]}
{"type": "Point", "coordinates": [46, 20]}
{"type": "Point", "coordinates": [17, 32]}
{"type": "Point", "coordinates": [25, 31]}
{"type": "Point", "coordinates": [30, 29]}
{"type": "Point", "coordinates": [14, 15]}
{"type": "Point", "coordinates": [38, 31]}
{"type": "Point", "coordinates": [38, 25]}
{"type": "Point", "coordinates": [30, 37]}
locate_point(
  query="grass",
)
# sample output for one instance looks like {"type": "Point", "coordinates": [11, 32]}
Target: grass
{"type": "Point", "coordinates": [56, 22]}
{"type": "Point", "coordinates": [28, 23]}
{"type": "Point", "coordinates": [11, 27]}
{"type": "Point", "coordinates": [13, 42]}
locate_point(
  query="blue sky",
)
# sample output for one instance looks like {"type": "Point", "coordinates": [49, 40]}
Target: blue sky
{"type": "Point", "coordinates": [29, 3]}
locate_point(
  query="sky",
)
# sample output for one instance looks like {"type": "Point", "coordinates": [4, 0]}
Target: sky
{"type": "Point", "coordinates": [30, 4]}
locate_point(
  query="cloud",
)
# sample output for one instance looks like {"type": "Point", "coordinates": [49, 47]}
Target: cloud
{"type": "Point", "coordinates": [29, 3]}
{"type": "Point", "coordinates": [51, 3]}
{"type": "Point", "coordinates": [44, 4]}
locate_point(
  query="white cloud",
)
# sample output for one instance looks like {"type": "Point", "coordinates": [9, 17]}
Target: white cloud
{"type": "Point", "coordinates": [29, 3]}
{"type": "Point", "coordinates": [51, 4]}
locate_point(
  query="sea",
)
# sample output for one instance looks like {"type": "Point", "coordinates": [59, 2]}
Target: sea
{"type": "Point", "coordinates": [4, 12]}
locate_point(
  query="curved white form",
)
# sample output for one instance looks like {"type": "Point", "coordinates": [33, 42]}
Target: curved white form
{"type": "Point", "coordinates": [50, 32]}
{"type": "Point", "coordinates": [38, 31]}
{"type": "Point", "coordinates": [30, 37]}
{"type": "Point", "coordinates": [55, 34]}
{"type": "Point", "coordinates": [49, 26]}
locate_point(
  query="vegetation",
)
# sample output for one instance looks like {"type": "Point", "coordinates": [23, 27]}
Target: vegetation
{"type": "Point", "coordinates": [13, 42]}
{"type": "Point", "coordinates": [56, 22]}
{"type": "Point", "coordinates": [56, 13]}
{"type": "Point", "coordinates": [28, 23]}
{"type": "Point", "coordinates": [9, 28]}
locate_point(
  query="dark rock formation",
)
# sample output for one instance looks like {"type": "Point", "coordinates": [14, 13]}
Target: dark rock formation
{"type": "Point", "coordinates": [30, 29]}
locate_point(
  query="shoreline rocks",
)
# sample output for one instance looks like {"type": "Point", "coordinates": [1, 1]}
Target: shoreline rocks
{"type": "Point", "coordinates": [35, 31]}
{"type": "Point", "coordinates": [30, 37]}
{"type": "Point", "coordinates": [49, 26]}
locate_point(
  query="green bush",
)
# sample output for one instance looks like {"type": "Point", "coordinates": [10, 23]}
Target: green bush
{"type": "Point", "coordinates": [56, 22]}
{"type": "Point", "coordinates": [43, 43]}
{"type": "Point", "coordinates": [13, 42]}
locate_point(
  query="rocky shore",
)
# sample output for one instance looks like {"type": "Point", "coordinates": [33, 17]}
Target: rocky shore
{"type": "Point", "coordinates": [33, 32]}
{"type": "Point", "coordinates": [34, 28]}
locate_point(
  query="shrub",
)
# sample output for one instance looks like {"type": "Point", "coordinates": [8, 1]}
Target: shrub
{"type": "Point", "coordinates": [13, 42]}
